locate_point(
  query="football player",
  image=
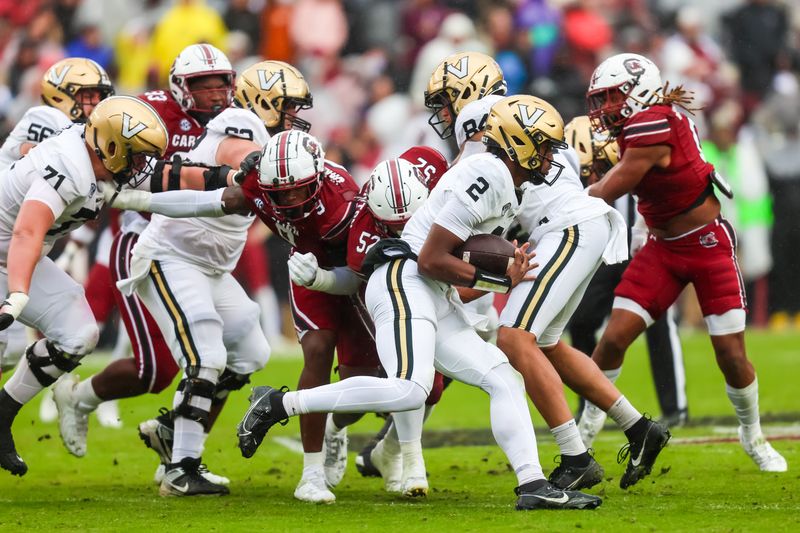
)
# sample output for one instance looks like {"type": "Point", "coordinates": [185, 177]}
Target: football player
{"type": "Point", "coordinates": [309, 202]}
{"type": "Point", "coordinates": [54, 189]}
{"type": "Point", "coordinates": [71, 88]}
{"type": "Point", "coordinates": [201, 86]}
{"type": "Point", "coordinates": [597, 154]}
{"type": "Point", "coordinates": [689, 241]}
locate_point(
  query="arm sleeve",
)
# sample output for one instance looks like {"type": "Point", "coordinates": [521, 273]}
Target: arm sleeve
{"type": "Point", "coordinates": [187, 203]}
{"type": "Point", "coordinates": [339, 281]}
{"type": "Point", "coordinates": [456, 218]}
{"type": "Point", "coordinates": [41, 191]}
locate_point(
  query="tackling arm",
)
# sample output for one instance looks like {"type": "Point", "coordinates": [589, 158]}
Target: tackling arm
{"type": "Point", "coordinates": [630, 170]}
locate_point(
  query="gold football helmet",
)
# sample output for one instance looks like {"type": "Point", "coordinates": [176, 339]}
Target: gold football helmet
{"type": "Point", "coordinates": [274, 90]}
{"type": "Point", "coordinates": [63, 82]}
{"type": "Point", "coordinates": [458, 80]}
{"type": "Point", "coordinates": [127, 135]}
{"type": "Point", "coordinates": [528, 130]}
{"type": "Point", "coordinates": [597, 152]}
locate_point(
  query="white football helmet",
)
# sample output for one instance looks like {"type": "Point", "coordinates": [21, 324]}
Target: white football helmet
{"type": "Point", "coordinates": [621, 86]}
{"type": "Point", "coordinates": [290, 172]}
{"type": "Point", "coordinates": [395, 191]}
{"type": "Point", "coordinates": [198, 60]}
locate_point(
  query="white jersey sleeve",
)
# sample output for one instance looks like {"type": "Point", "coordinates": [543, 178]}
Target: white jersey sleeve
{"type": "Point", "coordinates": [37, 124]}
{"type": "Point", "coordinates": [472, 119]}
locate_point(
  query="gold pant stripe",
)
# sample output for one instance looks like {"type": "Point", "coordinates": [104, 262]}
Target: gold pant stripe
{"type": "Point", "coordinates": [176, 314]}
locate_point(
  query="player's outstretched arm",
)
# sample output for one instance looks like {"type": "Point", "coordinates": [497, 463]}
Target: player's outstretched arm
{"type": "Point", "coordinates": [630, 170]}
{"type": "Point", "coordinates": [180, 204]}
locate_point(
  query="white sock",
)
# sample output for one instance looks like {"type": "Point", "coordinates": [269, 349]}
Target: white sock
{"type": "Point", "coordinates": [22, 386]}
{"type": "Point", "coordinates": [745, 403]}
{"type": "Point", "coordinates": [568, 439]}
{"type": "Point", "coordinates": [408, 425]}
{"type": "Point", "coordinates": [412, 456]}
{"type": "Point", "coordinates": [331, 427]}
{"type": "Point", "coordinates": [511, 422]}
{"type": "Point", "coordinates": [359, 394]}
{"type": "Point", "coordinates": [313, 463]}
{"type": "Point", "coordinates": [623, 413]}
{"type": "Point", "coordinates": [87, 398]}
{"type": "Point", "coordinates": [613, 374]}
{"type": "Point", "coordinates": [390, 443]}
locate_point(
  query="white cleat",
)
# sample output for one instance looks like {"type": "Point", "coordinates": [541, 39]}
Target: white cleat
{"type": "Point", "coordinates": [48, 412]}
{"type": "Point", "coordinates": [313, 489]}
{"type": "Point", "coordinates": [762, 453]}
{"type": "Point", "coordinates": [73, 424]}
{"type": "Point", "coordinates": [591, 423]}
{"type": "Point", "coordinates": [335, 453]}
{"type": "Point", "coordinates": [390, 465]}
{"type": "Point", "coordinates": [415, 478]}
{"type": "Point", "coordinates": [108, 414]}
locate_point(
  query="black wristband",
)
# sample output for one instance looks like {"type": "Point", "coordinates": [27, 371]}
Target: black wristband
{"type": "Point", "coordinates": [174, 177]}
{"type": "Point", "coordinates": [216, 177]}
{"type": "Point", "coordinates": [484, 281]}
{"type": "Point", "coordinates": [157, 180]}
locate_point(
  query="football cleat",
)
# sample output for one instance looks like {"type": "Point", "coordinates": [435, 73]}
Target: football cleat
{"type": "Point", "coordinates": [762, 453]}
{"type": "Point", "coordinates": [414, 482]}
{"type": "Point", "coordinates": [185, 479]}
{"type": "Point", "coordinates": [335, 453]}
{"type": "Point", "coordinates": [549, 497]}
{"type": "Point", "coordinates": [158, 434]}
{"type": "Point", "coordinates": [590, 423]}
{"type": "Point", "coordinates": [642, 452]}
{"type": "Point", "coordinates": [577, 477]}
{"type": "Point", "coordinates": [9, 458]}
{"type": "Point", "coordinates": [48, 412]}
{"type": "Point", "coordinates": [313, 488]}
{"type": "Point", "coordinates": [158, 477]}
{"type": "Point", "coordinates": [258, 419]}
{"type": "Point", "coordinates": [108, 414]}
{"type": "Point", "coordinates": [73, 424]}
{"type": "Point", "coordinates": [389, 466]}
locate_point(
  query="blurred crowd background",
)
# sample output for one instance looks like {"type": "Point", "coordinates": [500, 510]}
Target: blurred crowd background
{"type": "Point", "coordinates": [368, 62]}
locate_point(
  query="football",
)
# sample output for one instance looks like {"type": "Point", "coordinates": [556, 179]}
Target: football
{"type": "Point", "coordinates": [487, 252]}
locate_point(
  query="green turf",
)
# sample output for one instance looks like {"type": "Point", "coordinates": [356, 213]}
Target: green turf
{"type": "Point", "coordinates": [713, 487]}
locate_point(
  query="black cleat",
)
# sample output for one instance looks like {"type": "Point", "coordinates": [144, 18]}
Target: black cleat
{"type": "Point", "coordinates": [577, 477]}
{"type": "Point", "coordinates": [9, 458]}
{"type": "Point", "coordinates": [259, 418]}
{"type": "Point", "coordinates": [548, 496]}
{"type": "Point", "coordinates": [185, 479]}
{"type": "Point", "coordinates": [641, 452]}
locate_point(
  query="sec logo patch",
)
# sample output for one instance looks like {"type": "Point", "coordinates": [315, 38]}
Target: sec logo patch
{"type": "Point", "coordinates": [185, 125]}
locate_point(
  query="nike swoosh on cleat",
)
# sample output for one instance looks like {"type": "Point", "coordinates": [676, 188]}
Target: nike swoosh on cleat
{"type": "Point", "coordinates": [563, 499]}
{"type": "Point", "coordinates": [636, 461]}
{"type": "Point", "coordinates": [183, 489]}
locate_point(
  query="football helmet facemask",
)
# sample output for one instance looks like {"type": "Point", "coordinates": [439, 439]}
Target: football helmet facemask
{"type": "Point", "coordinates": [197, 61]}
{"type": "Point", "coordinates": [395, 190]}
{"type": "Point", "coordinates": [128, 135]}
{"type": "Point", "coordinates": [597, 152]}
{"type": "Point", "coordinates": [290, 172]}
{"type": "Point", "coordinates": [529, 131]}
{"type": "Point", "coordinates": [274, 91]}
{"type": "Point", "coordinates": [622, 86]}
{"type": "Point", "coordinates": [458, 80]}
{"type": "Point", "coordinates": [64, 84]}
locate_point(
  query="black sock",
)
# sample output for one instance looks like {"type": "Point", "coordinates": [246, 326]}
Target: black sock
{"type": "Point", "coordinates": [276, 404]}
{"type": "Point", "coordinates": [9, 407]}
{"type": "Point", "coordinates": [637, 430]}
{"type": "Point", "coordinates": [578, 461]}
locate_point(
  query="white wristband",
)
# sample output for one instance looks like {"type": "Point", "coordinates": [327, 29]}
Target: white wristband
{"type": "Point", "coordinates": [323, 281]}
{"type": "Point", "coordinates": [14, 303]}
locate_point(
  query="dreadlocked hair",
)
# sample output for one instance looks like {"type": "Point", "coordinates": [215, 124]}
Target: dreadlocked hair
{"type": "Point", "coordinates": [678, 96]}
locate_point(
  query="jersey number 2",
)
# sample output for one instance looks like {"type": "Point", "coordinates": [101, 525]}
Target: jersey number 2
{"type": "Point", "coordinates": [478, 188]}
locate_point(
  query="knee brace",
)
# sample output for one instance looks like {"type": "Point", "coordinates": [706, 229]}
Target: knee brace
{"type": "Point", "coordinates": [194, 388]}
{"type": "Point", "coordinates": [229, 381]}
{"type": "Point", "coordinates": [55, 357]}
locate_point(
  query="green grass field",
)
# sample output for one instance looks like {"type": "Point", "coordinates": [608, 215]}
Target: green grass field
{"type": "Point", "coordinates": [712, 486]}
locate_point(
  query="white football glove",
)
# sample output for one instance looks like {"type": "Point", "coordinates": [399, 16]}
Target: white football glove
{"type": "Point", "coordinates": [11, 307]}
{"type": "Point", "coordinates": [638, 239]}
{"type": "Point", "coordinates": [303, 268]}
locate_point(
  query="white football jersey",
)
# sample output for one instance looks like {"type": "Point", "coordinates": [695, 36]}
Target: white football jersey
{"type": "Point", "coordinates": [212, 244]}
{"type": "Point", "coordinates": [482, 189]}
{"type": "Point", "coordinates": [470, 121]}
{"type": "Point", "coordinates": [37, 124]}
{"type": "Point", "coordinates": [61, 162]}
{"type": "Point", "coordinates": [560, 205]}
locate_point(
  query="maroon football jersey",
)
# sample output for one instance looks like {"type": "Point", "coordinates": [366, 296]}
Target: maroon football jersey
{"type": "Point", "coordinates": [364, 232]}
{"type": "Point", "coordinates": [667, 192]}
{"type": "Point", "coordinates": [182, 130]}
{"type": "Point", "coordinates": [324, 231]}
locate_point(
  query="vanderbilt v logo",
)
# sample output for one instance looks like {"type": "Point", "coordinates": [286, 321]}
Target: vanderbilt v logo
{"type": "Point", "coordinates": [129, 132]}
{"type": "Point", "coordinates": [528, 119]}
{"type": "Point", "coordinates": [57, 77]}
{"type": "Point", "coordinates": [266, 84]}
{"type": "Point", "coordinates": [459, 71]}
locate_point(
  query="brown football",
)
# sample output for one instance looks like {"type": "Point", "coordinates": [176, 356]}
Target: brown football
{"type": "Point", "coordinates": [487, 252]}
